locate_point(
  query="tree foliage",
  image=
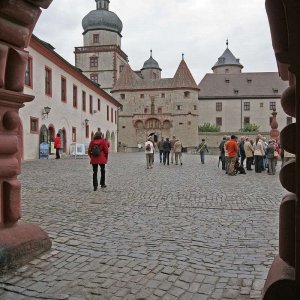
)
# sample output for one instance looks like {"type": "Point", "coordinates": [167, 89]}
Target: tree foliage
{"type": "Point", "coordinates": [207, 127]}
{"type": "Point", "coordinates": [250, 128]}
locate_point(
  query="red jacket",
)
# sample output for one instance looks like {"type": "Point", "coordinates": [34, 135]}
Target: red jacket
{"type": "Point", "coordinates": [232, 148]}
{"type": "Point", "coordinates": [57, 143]}
{"type": "Point", "coordinates": [103, 157]}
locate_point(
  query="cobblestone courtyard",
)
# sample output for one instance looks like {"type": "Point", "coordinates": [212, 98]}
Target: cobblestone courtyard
{"type": "Point", "coordinates": [171, 232]}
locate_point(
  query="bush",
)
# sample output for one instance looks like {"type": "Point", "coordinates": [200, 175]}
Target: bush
{"type": "Point", "coordinates": [207, 127]}
{"type": "Point", "coordinates": [250, 128]}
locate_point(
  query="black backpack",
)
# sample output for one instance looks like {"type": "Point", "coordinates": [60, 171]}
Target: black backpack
{"type": "Point", "coordinates": [148, 147]}
{"type": "Point", "coordinates": [95, 150]}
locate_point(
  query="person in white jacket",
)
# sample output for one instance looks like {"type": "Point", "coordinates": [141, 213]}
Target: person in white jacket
{"type": "Point", "coordinates": [149, 151]}
{"type": "Point", "coordinates": [259, 153]}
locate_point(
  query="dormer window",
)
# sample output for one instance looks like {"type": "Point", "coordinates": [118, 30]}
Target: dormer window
{"type": "Point", "coordinates": [249, 81]}
{"type": "Point", "coordinates": [236, 92]}
{"type": "Point", "coordinates": [122, 96]}
{"type": "Point", "coordinates": [227, 80]}
{"type": "Point", "coordinates": [226, 70]}
{"type": "Point", "coordinates": [275, 91]}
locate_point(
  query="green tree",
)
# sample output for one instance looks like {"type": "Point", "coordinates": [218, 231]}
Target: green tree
{"type": "Point", "coordinates": [207, 127]}
{"type": "Point", "coordinates": [250, 128]}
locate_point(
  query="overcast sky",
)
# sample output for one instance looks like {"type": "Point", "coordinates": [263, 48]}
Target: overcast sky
{"type": "Point", "coordinates": [197, 28]}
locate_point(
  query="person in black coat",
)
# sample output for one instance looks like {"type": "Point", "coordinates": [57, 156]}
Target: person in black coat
{"type": "Point", "coordinates": [166, 151]}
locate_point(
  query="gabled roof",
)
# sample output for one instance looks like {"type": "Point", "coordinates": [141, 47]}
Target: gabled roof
{"type": "Point", "coordinates": [227, 59]}
{"type": "Point", "coordinates": [127, 79]}
{"type": "Point", "coordinates": [183, 77]}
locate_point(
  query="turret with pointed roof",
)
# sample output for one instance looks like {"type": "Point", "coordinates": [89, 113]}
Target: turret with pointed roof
{"type": "Point", "coordinates": [227, 63]}
{"type": "Point", "coordinates": [183, 77]}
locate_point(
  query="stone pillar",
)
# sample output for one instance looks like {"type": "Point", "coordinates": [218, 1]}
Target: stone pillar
{"type": "Point", "coordinates": [283, 281]}
{"type": "Point", "coordinates": [274, 133]}
{"type": "Point", "coordinates": [19, 242]}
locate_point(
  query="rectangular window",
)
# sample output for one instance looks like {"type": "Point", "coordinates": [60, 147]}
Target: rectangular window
{"type": "Point", "coordinates": [246, 120]}
{"type": "Point", "coordinates": [107, 113]}
{"type": "Point", "coordinates": [145, 110]}
{"type": "Point", "coordinates": [187, 94]}
{"type": "Point", "coordinates": [48, 81]}
{"type": "Point", "coordinates": [112, 115]}
{"type": "Point", "coordinates": [289, 120]}
{"type": "Point", "coordinates": [87, 131]}
{"type": "Point", "coordinates": [83, 101]}
{"type": "Point", "coordinates": [121, 67]}
{"type": "Point", "coordinates": [249, 81]}
{"type": "Point", "coordinates": [94, 77]}
{"type": "Point", "coordinates": [28, 72]}
{"type": "Point", "coordinates": [163, 95]}
{"type": "Point", "coordinates": [99, 104]}
{"type": "Point", "coordinates": [91, 104]}
{"type": "Point", "coordinates": [195, 107]}
{"type": "Point", "coordinates": [159, 110]}
{"type": "Point", "coordinates": [219, 106]}
{"type": "Point", "coordinates": [75, 96]}
{"type": "Point", "coordinates": [272, 105]}
{"type": "Point", "coordinates": [122, 96]}
{"type": "Point", "coordinates": [95, 38]}
{"type": "Point", "coordinates": [93, 61]}
{"type": "Point", "coordinates": [74, 134]}
{"type": "Point", "coordinates": [142, 96]}
{"type": "Point", "coordinates": [261, 104]}
{"type": "Point", "coordinates": [34, 125]}
{"type": "Point", "coordinates": [63, 89]}
{"type": "Point", "coordinates": [246, 106]}
{"type": "Point", "coordinates": [219, 121]}
{"type": "Point", "coordinates": [179, 107]}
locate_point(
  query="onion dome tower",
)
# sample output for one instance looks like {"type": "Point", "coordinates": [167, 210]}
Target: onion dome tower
{"type": "Point", "coordinates": [101, 58]}
{"type": "Point", "coordinates": [227, 63]}
{"type": "Point", "coordinates": [151, 69]}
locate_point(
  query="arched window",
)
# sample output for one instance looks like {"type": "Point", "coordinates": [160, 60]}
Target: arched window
{"type": "Point", "coordinates": [139, 125]}
{"type": "Point", "coordinates": [152, 124]}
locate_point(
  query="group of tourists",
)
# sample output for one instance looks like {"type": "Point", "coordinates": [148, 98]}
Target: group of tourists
{"type": "Point", "coordinates": [166, 148]}
{"type": "Point", "coordinates": [259, 153]}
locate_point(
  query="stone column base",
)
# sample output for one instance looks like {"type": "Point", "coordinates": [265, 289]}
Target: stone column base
{"type": "Point", "coordinates": [21, 243]}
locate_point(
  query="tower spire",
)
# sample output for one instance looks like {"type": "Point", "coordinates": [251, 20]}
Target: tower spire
{"type": "Point", "coordinates": [151, 53]}
{"type": "Point", "coordinates": [182, 55]}
{"type": "Point", "coordinates": [227, 43]}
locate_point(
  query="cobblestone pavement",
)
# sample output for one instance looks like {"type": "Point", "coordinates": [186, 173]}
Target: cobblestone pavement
{"type": "Point", "coordinates": [171, 232]}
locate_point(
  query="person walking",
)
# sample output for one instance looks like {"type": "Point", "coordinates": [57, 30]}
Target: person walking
{"type": "Point", "coordinates": [172, 142]}
{"type": "Point", "coordinates": [242, 150]}
{"type": "Point", "coordinates": [232, 150]}
{"type": "Point", "coordinates": [98, 153]}
{"type": "Point", "coordinates": [160, 146]}
{"type": "Point", "coordinates": [178, 152]}
{"type": "Point", "coordinates": [248, 148]}
{"type": "Point", "coordinates": [167, 149]}
{"type": "Point", "coordinates": [149, 151]}
{"type": "Point", "coordinates": [57, 146]}
{"type": "Point", "coordinates": [202, 148]}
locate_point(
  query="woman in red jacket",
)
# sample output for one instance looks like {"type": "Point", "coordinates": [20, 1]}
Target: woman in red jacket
{"type": "Point", "coordinates": [98, 153]}
{"type": "Point", "coordinates": [57, 145]}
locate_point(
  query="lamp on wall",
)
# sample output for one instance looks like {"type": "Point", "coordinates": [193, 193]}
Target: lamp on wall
{"type": "Point", "coordinates": [86, 122]}
{"type": "Point", "coordinates": [46, 111]}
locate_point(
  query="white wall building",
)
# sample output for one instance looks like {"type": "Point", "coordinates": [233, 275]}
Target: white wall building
{"type": "Point", "coordinates": [79, 107]}
{"type": "Point", "coordinates": [231, 99]}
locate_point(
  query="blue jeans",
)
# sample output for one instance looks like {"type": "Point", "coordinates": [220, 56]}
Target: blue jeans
{"type": "Point", "coordinates": [202, 154]}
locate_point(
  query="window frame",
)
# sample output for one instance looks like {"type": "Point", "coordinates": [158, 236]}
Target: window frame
{"type": "Point", "coordinates": [107, 112]}
{"type": "Point", "coordinates": [272, 105]}
{"type": "Point", "coordinates": [94, 62]}
{"type": "Point", "coordinates": [96, 38]}
{"type": "Point", "coordinates": [48, 81]}
{"type": "Point", "coordinates": [219, 106]}
{"type": "Point", "coordinates": [246, 106]}
{"type": "Point", "coordinates": [74, 135]}
{"type": "Point", "coordinates": [35, 121]}
{"type": "Point", "coordinates": [75, 96]}
{"type": "Point", "coordinates": [29, 72]}
{"type": "Point", "coordinates": [83, 97]}
{"type": "Point", "coordinates": [63, 89]}
{"type": "Point", "coordinates": [219, 121]}
{"type": "Point", "coordinates": [91, 104]}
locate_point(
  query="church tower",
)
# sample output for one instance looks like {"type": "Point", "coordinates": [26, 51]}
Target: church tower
{"type": "Point", "coordinates": [101, 58]}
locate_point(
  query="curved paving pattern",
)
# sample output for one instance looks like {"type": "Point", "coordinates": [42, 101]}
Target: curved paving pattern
{"type": "Point", "coordinates": [171, 232]}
